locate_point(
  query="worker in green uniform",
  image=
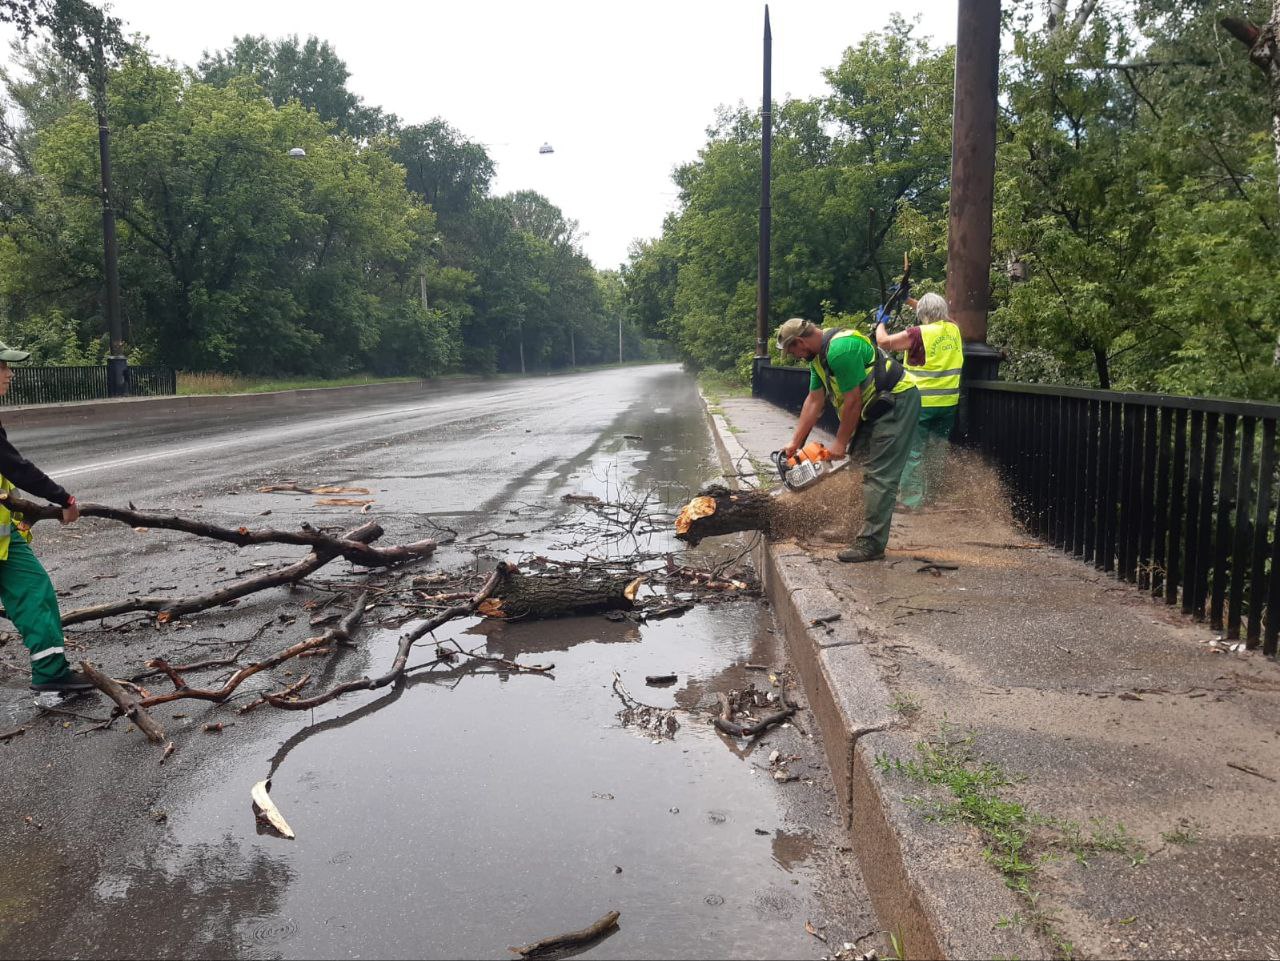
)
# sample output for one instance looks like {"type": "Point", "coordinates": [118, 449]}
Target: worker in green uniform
{"type": "Point", "coordinates": [30, 601]}
{"type": "Point", "coordinates": [933, 358]}
{"type": "Point", "coordinates": [867, 387]}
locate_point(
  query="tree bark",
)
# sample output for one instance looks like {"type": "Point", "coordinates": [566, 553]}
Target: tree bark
{"type": "Point", "coordinates": [717, 510]}
{"type": "Point", "coordinates": [1103, 367]}
{"type": "Point", "coordinates": [1264, 52]}
{"type": "Point", "coordinates": [128, 705]}
{"type": "Point", "coordinates": [574, 939]}
{"type": "Point", "coordinates": [171, 607]}
{"type": "Point", "coordinates": [355, 551]}
{"type": "Point", "coordinates": [517, 596]}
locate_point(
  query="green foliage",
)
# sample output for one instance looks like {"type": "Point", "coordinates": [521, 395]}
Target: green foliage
{"type": "Point", "coordinates": [1135, 190]}
{"type": "Point", "coordinates": [233, 255]}
{"type": "Point", "coordinates": [289, 70]}
{"type": "Point", "coordinates": [1142, 200]}
{"type": "Point", "coordinates": [879, 142]}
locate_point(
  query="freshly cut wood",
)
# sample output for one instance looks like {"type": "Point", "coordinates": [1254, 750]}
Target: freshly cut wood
{"type": "Point", "coordinates": [518, 596]}
{"type": "Point", "coordinates": [574, 939]}
{"type": "Point", "coordinates": [717, 510]}
{"type": "Point", "coordinates": [266, 809]}
{"type": "Point", "coordinates": [128, 705]}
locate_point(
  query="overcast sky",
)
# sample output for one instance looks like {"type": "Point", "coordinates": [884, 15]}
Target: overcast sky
{"type": "Point", "coordinates": [623, 92]}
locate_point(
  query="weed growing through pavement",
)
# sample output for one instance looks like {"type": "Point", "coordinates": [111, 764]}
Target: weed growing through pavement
{"type": "Point", "coordinates": [1185, 834]}
{"type": "Point", "coordinates": [908, 705]}
{"type": "Point", "coordinates": [975, 788]}
{"type": "Point", "coordinates": [1103, 836]}
{"type": "Point", "coordinates": [1008, 828]}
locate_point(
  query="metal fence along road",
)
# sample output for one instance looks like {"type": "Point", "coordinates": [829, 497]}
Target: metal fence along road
{"type": "Point", "coordinates": [55, 385]}
{"type": "Point", "coordinates": [1177, 495]}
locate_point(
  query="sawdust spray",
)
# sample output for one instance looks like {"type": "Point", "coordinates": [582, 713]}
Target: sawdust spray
{"type": "Point", "coordinates": [833, 510]}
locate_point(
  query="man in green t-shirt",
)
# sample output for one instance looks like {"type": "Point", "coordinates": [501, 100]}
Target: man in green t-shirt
{"type": "Point", "coordinates": [843, 366]}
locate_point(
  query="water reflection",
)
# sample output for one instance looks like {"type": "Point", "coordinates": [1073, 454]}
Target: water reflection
{"type": "Point", "coordinates": [204, 900]}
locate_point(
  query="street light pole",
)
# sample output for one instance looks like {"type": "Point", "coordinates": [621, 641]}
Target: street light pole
{"type": "Point", "coordinates": [117, 363]}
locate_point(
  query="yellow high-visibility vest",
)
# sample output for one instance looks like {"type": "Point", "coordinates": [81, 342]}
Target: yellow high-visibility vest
{"type": "Point", "coordinates": [9, 521]}
{"type": "Point", "coordinates": [830, 383]}
{"type": "Point", "coordinates": [938, 379]}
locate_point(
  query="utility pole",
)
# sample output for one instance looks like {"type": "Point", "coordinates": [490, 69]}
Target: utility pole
{"type": "Point", "coordinates": [522, 345]}
{"type": "Point", "coordinates": [619, 338]}
{"type": "Point", "coordinates": [422, 285]}
{"type": "Point", "coordinates": [766, 210]}
{"type": "Point", "coordinates": [573, 353]}
{"type": "Point", "coordinates": [117, 363]}
{"type": "Point", "coordinates": [973, 163]}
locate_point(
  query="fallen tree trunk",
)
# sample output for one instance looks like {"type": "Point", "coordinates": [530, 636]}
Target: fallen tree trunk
{"type": "Point", "coordinates": [717, 510]}
{"type": "Point", "coordinates": [168, 608]}
{"type": "Point", "coordinates": [517, 596]}
{"type": "Point", "coordinates": [356, 551]}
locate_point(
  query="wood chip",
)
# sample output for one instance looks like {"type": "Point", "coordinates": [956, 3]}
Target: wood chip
{"type": "Point", "coordinates": [267, 809]}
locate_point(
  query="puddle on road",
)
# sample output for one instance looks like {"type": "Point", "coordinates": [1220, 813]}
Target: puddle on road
{"type": "Point", "coordinates": [459, 815]}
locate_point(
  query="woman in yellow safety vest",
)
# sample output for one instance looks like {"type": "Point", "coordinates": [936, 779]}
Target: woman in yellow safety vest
{"type": "Point", "coordinates": [934, 356]}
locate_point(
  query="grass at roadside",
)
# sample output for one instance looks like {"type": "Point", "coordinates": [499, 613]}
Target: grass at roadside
{"type": "Point", "coordinates": [1016, 840]}
{"type": "Point", "coordinates": [717, 385]}
{"type": "Point", "coordinates": [233, 384]}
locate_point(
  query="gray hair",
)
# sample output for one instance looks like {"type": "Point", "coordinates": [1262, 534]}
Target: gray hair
{"type": "Point", "coordinates": [931, 308]}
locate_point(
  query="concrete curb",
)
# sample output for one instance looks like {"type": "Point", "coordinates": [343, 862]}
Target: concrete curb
{"type": "Point", "coordinates": [126, 408]}
{"type": "Point", "coordinates": [922, 881]}
{"type": "Point", "coordinates": [738, 467]}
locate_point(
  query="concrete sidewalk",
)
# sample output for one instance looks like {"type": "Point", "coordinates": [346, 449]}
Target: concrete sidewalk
{"type": "Point", "coordinates": [1035, 759]}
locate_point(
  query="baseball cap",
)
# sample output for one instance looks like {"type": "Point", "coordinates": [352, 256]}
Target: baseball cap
{"type": "Point", "coordinates": [11, 356]}
{"type": "Point", "coordinates": [791, 329]}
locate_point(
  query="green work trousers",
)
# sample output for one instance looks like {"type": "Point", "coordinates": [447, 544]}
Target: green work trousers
{"type": "Point", "coordinates": [32, 605]}
{"type": "Point", "coordinates": [922, 474]}
{"type": "Point", "coordinates": [888, 444]}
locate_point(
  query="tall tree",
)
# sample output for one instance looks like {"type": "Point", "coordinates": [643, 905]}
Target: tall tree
{"type": "Point", "coordinates": [310, 72]}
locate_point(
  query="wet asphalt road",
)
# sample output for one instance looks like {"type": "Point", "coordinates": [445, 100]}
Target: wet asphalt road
{"type": "Point", "coordinates": [449, 817]}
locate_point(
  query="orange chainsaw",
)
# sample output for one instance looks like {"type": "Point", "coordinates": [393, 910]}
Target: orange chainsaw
{"type": "Point", "coordinates": [808, 466]}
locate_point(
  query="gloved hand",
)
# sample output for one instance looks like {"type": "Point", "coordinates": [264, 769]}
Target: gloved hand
{"type": "Point", "coordinates": [883, 317]}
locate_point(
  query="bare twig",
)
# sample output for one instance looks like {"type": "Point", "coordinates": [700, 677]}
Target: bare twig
{"type": "Point", "coordinates": [402, 654]}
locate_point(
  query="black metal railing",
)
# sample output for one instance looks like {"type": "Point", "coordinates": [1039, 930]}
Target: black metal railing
{"type": "Point", "coordinates": [787, 387]}
{"type": "Point", "coordinates": [1175, 494]}
{"type": "Point", "coordinates": [55, 385]}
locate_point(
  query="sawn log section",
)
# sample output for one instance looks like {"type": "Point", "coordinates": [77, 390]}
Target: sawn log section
{"type": "Point", "coordinates": [717, 510]}
{"type": "Point", "coordinates": [517, 596]}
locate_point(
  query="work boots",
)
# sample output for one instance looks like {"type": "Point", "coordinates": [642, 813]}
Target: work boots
{"type": "Point", "coordinates": [68, 683]}
{"type": "Point", "coordinates": [862, 550]}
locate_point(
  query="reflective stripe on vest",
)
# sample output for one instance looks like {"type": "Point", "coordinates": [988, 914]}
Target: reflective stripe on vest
{"type": "Point", "coordinates": [939, 377]}
{"type": "Point", "coordinates": [835, 393]}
